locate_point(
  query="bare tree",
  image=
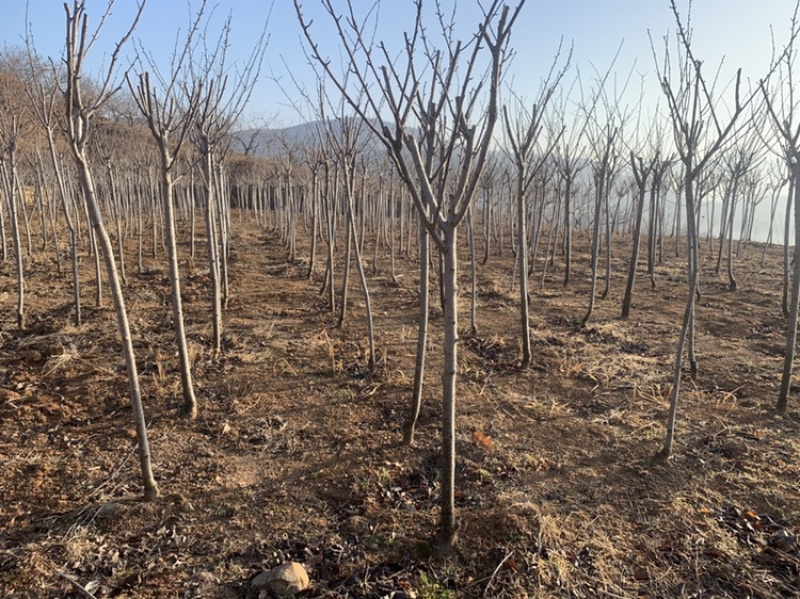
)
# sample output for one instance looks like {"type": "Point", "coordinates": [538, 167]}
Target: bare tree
{"type": "Point", "coordinates": [777, 181]}
{"type": "Point", "coordinates": [604, 138]}
{"type": "Point", "coordinates": [221, 101]}
{"type": "Point", "coordinates": [12, 112]}
{"type": "Point", "coordinates": [523, 133]}
{"type": "Point", "coordinates": [699, 134]}
{"type": "Point", "coordinates": [738, 163]}
{"type": "Point", "coordinates": [81, 109]}
{"type": "Point", "coordinates": [780, 95]}
{"type": "Point", "coordinates": [170, 118]}
{"type": "Point", "coordinates": [346, 135]}
{"type": "Point", "coordinates": [642, 169]}
{"type": "Point", "coordinates": [438, 140]}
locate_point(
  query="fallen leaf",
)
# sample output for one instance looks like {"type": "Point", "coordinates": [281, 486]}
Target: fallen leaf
{"type": "Point", "coordinates": [750, 515]}
{"type": "Point", "coordinates": [483, 441]}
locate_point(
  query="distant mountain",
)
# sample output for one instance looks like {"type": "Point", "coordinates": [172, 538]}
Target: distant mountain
{"type": "Point", "coordinates": [268, 143]}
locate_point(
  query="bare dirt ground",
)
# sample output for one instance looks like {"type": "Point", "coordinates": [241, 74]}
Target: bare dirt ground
{"type": "Point", "coordinates": [296, 453]}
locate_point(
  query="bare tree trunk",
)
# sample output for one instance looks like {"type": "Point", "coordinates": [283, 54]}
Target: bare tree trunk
{"type": "Point", "coordinates": [786, 229]}
{"type": "Point", "coordinates": [601, 179]}
{"type": "Point", "coordinates": [486, 226]}
{"type": "Point", "coordinates": [678, 198]}
{"type": "Point", "coordinates": [392, 219]}
{"type": "Point", "coordinates": [651, 235]}
{"type": "Point", "coordinates": [223, 228]}
{"type": "Point", "coordinates": [213, 251]}
{"type": "Point", "coordinates": [116, 210]}
{"type": "Point", "coordinates": [189, 400]}
{"type": "Point", "coordinates": [794, 306]}
{"type": "Point", "coordinates": [688, 319]}
{"type": "Point", "coordinates": [330, 207]}
{"type": "Point", "coordinates": [345, 275]}
{"type": "Point", "coordinates": [9, 174]}
{"type": "Point", "coordinates": [409, 427]}
{"type": "Point", "coordinates": [192, 198]}
{"type": "Point", "coordinates": [607, 288]}
{"type": "Point", "coordinates": [448, 527]}
{"type": "Point", "coordinates": [361, 274]}
{"type": "Point", "coordinates": [567, 230]}
{"type": "Point", "coordinates": [731, 215]}
{"type": "Point", "coordinates": [98, 273]}
{"type": "Point", "coordinates": [87, 183]}
{"type": "Point", "coordinates": [314, 200]}
{"type": "Point", "coordinates": [522, 257]}
{"type": "Point", "coordinates": [473, 304]}
{"type": "Point", "coordinates": [641, 181]}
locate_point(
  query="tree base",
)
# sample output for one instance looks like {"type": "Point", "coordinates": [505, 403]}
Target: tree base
{"type": "Point", "coordinates": [447, 537]}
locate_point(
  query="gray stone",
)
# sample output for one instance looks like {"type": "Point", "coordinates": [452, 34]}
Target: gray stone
{"type": "Point", "coordinates": [283, 581]}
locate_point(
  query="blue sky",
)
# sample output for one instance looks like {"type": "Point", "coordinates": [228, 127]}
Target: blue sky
{"type": "Point", "coordinates": [736, 29]}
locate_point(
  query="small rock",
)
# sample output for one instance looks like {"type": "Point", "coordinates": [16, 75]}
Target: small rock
{"type": "Point", "coordinates": [284, 580]}
{"type": "Point", "coordinates": [108, 510]}
{"type": "Point", "coordinates": [783, 541]}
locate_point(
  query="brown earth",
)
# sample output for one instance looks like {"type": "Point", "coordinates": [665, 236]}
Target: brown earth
{"type": "Point", "coordinates": [296, 456]}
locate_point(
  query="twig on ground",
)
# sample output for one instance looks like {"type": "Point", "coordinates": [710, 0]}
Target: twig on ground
{"type": "Point", "coordinates": [77, 585]}
{"type": "Point", "coordinates": [496, 570]}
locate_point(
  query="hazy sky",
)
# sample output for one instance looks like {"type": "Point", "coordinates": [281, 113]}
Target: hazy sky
{"type": "Point", "coordinates": [739, 30]}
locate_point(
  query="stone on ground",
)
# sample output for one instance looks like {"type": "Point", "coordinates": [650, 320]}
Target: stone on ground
{"type": "Point", "coordinates": [285, 580]}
